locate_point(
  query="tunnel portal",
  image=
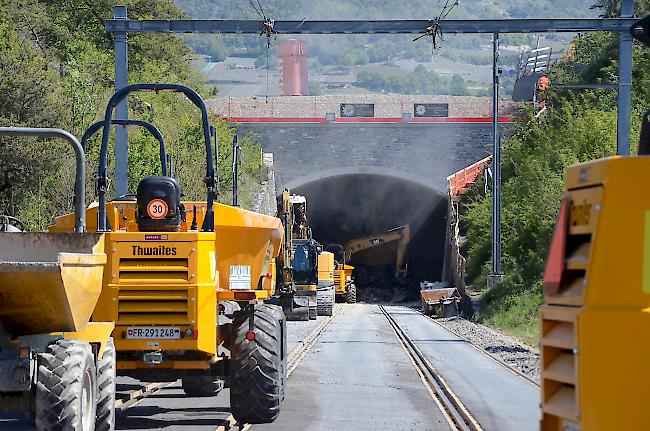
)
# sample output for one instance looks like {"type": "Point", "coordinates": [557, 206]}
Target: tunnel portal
{"type": "Point", "coordinates": [349, 206]}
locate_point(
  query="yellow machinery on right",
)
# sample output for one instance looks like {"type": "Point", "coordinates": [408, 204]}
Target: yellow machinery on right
{"type": "Point", "coordinates": [595, 322]}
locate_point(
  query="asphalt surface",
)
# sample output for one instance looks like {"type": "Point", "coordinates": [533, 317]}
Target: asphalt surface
{"type": "Point", "coordinates": [170, 409]}
{"type": "Point", "coordinates": [357, 376]}
{"type": "Point", "coordinates": [498, 398]}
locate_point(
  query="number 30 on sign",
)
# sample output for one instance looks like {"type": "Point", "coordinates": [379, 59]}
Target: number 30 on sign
{"type": "Point", "coordinates": [157, 209]}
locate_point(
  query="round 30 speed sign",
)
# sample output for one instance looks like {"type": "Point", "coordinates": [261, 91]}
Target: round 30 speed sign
{"type": "Point", "coordinates": [157, 209]}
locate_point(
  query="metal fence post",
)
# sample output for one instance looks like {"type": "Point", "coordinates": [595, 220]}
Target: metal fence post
{"type": "Point", "coordinates": [623, 127]}
{"type": "Point", "coordinates": [120, 39]}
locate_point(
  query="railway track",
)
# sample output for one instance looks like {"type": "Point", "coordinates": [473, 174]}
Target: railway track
{"type": "Point", "coordinates": [457, 415]}
{"type": "Point", "coordinates": [294, 358]}
{"type": "Point", "coordinates": [484, 352]}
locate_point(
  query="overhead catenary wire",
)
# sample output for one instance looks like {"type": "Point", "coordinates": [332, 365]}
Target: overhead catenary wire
{"type": "Point", "coordinates": [435, 30]}
{"type": "Point", "coordinates": [268, 31]}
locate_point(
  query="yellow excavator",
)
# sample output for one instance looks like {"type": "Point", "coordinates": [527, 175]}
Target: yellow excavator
{"type": "Point", "coordinates": [381, 250]}
{"type": "Point", "coordinates": [298, 288]}
{"type": "Point", "coordinates": [56, 366]}
{"type": "Point", "coordinates": [184, 284]}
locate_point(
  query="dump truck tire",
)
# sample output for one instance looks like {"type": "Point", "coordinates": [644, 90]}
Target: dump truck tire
{"type": "Point", "coordinates": [283, 345]}
{"type": "Point", "coordinates": [106, 389]}
{"type": "Point", "coordinates": [351, 294]}
{"type": "Point", "coordinates": [66, 392]}
{"type": "Point", "coordinates": [201, 386]}
{"type": "Point", "coordinates": [256, 367]}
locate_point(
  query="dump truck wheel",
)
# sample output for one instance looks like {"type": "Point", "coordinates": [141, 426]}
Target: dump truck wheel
{"type": "Point", "coordinates": [283, 345]}
{"type": "Point", "coordinates": [201, 386]}
{"type": "Point", "coordinates": [256, 367]}
{"type": "Point", "coordinates": [66, 393]}
{"type": "Point", "coordinates": [351, 295]}
{"type": "Point", "coordinates": [106, 389]}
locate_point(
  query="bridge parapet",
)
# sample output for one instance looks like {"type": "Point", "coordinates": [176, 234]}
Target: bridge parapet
{"type": "Point", "coordinates": [384, 106]}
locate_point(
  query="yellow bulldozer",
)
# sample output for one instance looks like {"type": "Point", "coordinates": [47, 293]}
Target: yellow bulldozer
{"type": "Point", "coordinates": [185, 284]}
{"type": "Point", "coordinates": [55, 365]}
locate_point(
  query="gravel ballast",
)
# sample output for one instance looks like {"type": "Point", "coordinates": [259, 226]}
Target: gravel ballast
{"type": "Point", "coordinates": [508, 349]}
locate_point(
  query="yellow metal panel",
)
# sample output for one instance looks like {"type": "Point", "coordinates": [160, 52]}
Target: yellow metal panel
{"type": "Point", "coordinates": [326, 267]}
{"type": "Point", "coordinates": [614, 349]}
{"type": "Point", "coordinates": [49, 282]}
{"type": "Point", "coordinates": [205, 306]}
{"type": "Point", "coordinates": [94, 332]}
{"type": "Point", "coordinates": [596, 346]}
{"type": "Point", "coordinates": [616, 258]}
{"type": "Point", "coordinates": [646, 253]}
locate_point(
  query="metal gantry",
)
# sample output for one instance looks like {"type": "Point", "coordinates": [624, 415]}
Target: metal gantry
{"type": "Point", "coordinates": [120, 26]}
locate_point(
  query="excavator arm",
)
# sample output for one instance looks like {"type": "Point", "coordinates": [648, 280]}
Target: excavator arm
{"type": "Point", "coordinates": [401, 234]}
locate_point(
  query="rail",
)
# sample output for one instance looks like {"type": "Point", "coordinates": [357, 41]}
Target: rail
{"type": "Point", "coordinates": [457, 415]}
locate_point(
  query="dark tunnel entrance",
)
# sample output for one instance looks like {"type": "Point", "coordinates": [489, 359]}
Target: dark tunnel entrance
{"type": "Point", "coordinates": [349, 206]}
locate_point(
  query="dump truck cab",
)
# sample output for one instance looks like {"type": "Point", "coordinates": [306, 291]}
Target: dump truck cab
{"type": "Point", "coordinates": [184, 283]}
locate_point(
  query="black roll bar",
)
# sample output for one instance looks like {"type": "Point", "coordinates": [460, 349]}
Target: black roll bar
{"type": "Point", "coordinates": [80, 179]}
{"type": "Point", "coordinates": [210, 178]}
{"type": "Point", "coordinates": [94, 128]}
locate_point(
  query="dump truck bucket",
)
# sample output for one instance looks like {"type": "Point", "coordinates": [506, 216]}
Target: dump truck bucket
{"type": "Point", "coordinates": [245, 241]}
{"type": "Point", "coordinates": [49, 282]}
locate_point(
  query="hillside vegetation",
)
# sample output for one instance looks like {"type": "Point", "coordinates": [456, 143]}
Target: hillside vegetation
{"type": "Point", "coordinates": [578, 126]}
{"type": "Point", "coordinates": [56, 70]}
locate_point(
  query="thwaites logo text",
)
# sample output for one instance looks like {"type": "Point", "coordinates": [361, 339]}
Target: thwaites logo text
{"type": "Point", "coordinates": [161, 250]}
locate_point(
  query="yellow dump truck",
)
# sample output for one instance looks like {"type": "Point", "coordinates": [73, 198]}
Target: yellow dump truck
{"type": "Point", "coordinates": [184, 284]}
{"type": "Point", "coordinates": [345, 289]}
{"type": "Point", "coordinates": [55, 365]}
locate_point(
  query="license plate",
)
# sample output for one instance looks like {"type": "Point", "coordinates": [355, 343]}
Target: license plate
{"type": "Point", "coordinates": [169, 333]}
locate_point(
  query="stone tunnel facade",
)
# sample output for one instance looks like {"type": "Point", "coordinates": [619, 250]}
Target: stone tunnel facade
{"type": "Point", "coordinates": [424, 153]}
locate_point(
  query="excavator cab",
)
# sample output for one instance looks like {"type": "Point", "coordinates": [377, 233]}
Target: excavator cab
{"type": "Point", "coordinates": [305, 262]}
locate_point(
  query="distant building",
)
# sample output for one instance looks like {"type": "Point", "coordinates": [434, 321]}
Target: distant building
{"type": "Point", "coordinates": [294, 67]}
